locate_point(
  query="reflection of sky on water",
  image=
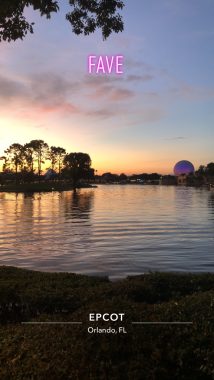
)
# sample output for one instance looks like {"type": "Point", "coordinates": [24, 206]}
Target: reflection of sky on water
{"type": "Point", "coordinates": [116, 230]}
{"type": "Point", "coordinates": [211, 204]}
{"type": "Point", "coordinates": [40, 228]}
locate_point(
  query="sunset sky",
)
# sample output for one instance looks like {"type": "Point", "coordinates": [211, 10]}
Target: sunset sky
{"type": "Point", "coordinates": [161, 110]}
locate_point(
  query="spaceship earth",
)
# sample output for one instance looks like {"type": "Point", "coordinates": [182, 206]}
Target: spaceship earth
{"type": "Point", "coordinates": [183, 167]}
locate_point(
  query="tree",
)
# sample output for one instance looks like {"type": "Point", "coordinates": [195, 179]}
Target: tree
{"type": "Point", "coordinates": [29, 157]}
{"type": "Point", "coordinates": [109, 177]}
{"type": "Point", "coordinates": [39, 150]}
{"type": "Point", "coordinates": [85, 16]}
{"type": "Point", "coordinates": [123, 177]}
{"type": "Point", "coordinates": [201, 170]}
{"type": "Point", "coordinates": [5, 165]}
{"type": "Point", "coordinates": [57, 155]}
{"type": "Point", "coordinates": [77, 165]}
{"type": "Point", "coordinates": [15, 156]}
{"type": "Point", "coordinates": [210, 169]}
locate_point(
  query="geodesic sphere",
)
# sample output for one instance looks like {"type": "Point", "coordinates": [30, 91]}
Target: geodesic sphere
{"type": "Point", "coordinates": [183, 167]}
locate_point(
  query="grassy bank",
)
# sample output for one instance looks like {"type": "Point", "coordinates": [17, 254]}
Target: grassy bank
{"type": "Point", "coordinates": [39, 187]}
{"type": "Point", "coordinates": [59, 352]}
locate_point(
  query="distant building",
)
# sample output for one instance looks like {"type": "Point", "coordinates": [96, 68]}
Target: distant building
{"type": "Point", "coordinates": [110, 178]}
{"type": "Point", "coordinates": [168, 180]}
{"type": "Point", "coordinates": [182, 179]}
{"type": "Point", "coordinates": [183, 167]}
{"type": "Point", "coordinates": [50, 174]}
{"type": "Point", "coordinates": [184, 172]}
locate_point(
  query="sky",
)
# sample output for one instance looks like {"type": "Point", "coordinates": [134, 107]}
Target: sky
{"type": "Point", "coordinates": [158, 112]}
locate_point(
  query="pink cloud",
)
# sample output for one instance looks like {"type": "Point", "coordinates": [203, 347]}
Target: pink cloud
{"type": "Point", "coordinates": [121, 94]}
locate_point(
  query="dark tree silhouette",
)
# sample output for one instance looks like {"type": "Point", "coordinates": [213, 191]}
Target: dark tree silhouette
{"type": "Point", "coordinates": [201, 170]}
{"type": "Point", "coordinates": [123, 177]}
{"type": "Point", "coordinates": [85, 16]}
{"type": "Point", "coordinates": [56, 157]}
{"type": "Point", "coordinates": [206, 171]}
{"type": "Point", "coordinates": [29, 157]}
{"type": "Point", "coordinates": [40, 150]}
{"type": "Point", "coordinates": [77, 165]}
{"type": "Point", "coordinates": [210, 169]}
{"type": "Point", "coordinates": [20, 162]}
{"type": "Point", "coordinates": [15, 156]}
{"type": "Point", "coordinates": [6, 164]}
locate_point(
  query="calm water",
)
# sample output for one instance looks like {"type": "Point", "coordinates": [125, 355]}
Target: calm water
{"type": "Point", "coordinates": [112, 230]}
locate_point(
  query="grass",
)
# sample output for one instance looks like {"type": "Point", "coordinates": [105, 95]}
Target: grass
{"type": "Point", "coordinates": [58, 352]}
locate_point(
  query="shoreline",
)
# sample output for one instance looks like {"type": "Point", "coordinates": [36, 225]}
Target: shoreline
{"type": "Point", "coordinates": [47, 188]}
{"type": "Point", "coordinates": [176, 284]}
{"type": "Point", "coordinates": [42, 187]}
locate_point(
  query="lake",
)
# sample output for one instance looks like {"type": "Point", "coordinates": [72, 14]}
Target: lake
{"type": "Point", "coordinates": [114, 230]}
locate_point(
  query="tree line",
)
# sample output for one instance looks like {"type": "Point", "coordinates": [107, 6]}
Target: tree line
{"type": "Point", "coordinates": [206, 170]}
{"type": "Point", "coordinates": [25, 161]}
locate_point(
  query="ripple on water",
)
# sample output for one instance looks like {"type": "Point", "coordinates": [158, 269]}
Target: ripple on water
{"type": "Point", "coordinates": [110, 230]}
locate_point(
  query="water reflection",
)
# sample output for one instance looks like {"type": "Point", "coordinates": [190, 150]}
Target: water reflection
{"type": "Point", "coordinates": [111, 230]}
{"type": "Point", "coordinates": [78, 204]}
{"type": "Point", "coordinates": [211, 203]}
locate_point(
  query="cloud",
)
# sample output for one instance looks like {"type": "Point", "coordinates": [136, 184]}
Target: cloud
{"type": "Point", "coordinates": [51, 93]}
{"type": "Point", "coordinates": [134, 64]}
{"type": "Point", "coordinates": [11, 89]}
{"type": "Point", "coordinates": [150, 95]}
{"type": "Point", "coordinates": [139, 78]}
{"type": "Point", "coordinates": [45, 93]}
{"type": "Point", "coordinates": [48, 93]}
{"type": "Point", "coordinates": [109, 88]}
{"type": "Point", "coordinates": [103, 113]}
{"type": "Point", "coordinates": [63, 107]}
{"type": "Point", "coordinates": [100, 80]}
{"type": "Point", "coordinates": [119, 94]}
{"type": "Point", "coordinates": [100, 92]}
{"type": "Point", "coordinates": [53, 85]}
{"type": "Point", "coordinates": [192, 93]}
{"type": "Point", "coordinates": [176, 138]}
{"type": "Point", "coordinates": [110, 93]}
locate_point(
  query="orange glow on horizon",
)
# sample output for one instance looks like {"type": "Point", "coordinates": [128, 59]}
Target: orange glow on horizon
{"type": "Point", "coordinates": [114, 158]}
